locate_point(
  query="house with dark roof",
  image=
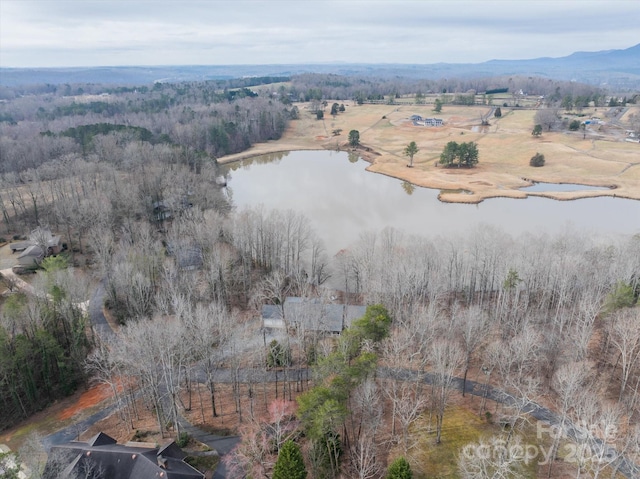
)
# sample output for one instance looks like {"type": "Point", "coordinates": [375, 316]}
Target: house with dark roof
{"type": "Point", "coordinates": [103, 457]}
{"type": "Point", "coordinates": [39, 238]}
{"type": "Point", "coordinates": [32, 256]}
{"type": "Point", "coordinates": [188, 256]}
{"type": "Point", "coordinates": [311, 314]}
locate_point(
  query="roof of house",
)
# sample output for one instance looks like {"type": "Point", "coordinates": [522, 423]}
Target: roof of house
{"type": "Point", "coordinates": [20, 245]}
{"type": "Point", "coordinates": [33, 251]}
{"type": "Point", "coordinates": [189, 257]}
{"type": "Point", "coordinates": [313, 314]}
{"type": "Point", "coordinates": [119, 461]}
{"type": "Point", "coordinates": [52, 240]}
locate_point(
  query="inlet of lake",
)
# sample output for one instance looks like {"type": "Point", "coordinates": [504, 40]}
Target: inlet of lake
{"type": "Point", "coordinates": [342, 200]}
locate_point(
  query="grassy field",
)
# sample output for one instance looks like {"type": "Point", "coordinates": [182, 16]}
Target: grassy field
{"type": "Point", "coordinates": [462, 429]}
{"type": "Point", "coordinates": [601, 158]}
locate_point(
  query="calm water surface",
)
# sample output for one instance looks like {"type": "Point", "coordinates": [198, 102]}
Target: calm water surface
{"type": "Point", "coordinates": [342, 200]}
{"type": "Point", "coordinates": [548, 187]}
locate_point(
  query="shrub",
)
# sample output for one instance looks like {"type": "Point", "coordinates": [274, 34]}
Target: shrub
{"type": "Point", "coordinates": [183, 439]}
{"type": "Point", "coordinates": [278, 355]}
{"type": "Point", "coordinates": [574, 125]}
{"type": "Point", "coordinates": [537, 160]}
{"type": "Point", "coordinates": [399, 469]}
{"type": "Point", "coordinates": [621, 296]}
{"type": "Point", "coordinates": [290, 464]}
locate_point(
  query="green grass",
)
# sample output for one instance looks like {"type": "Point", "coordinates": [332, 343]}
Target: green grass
{"type": "Point", "coordinates": [460, 428]}
{"type": "Point", "coordinates": [203, 463]}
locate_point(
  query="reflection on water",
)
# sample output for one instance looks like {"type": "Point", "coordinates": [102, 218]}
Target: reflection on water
{"type": "Point", "coordinates": [456, 191]}
{"type": "Point", "coordinates": [408, 188]}
{"type": "Point", "coordinates": [342, 200]}
{"type": "Point", "coordinates": [551, 187]}
{"type": "Point", "coordinates": [268, 158]}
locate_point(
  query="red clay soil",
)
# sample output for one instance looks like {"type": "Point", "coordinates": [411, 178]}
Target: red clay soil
{"type": "Point", "coordinates": [87, 399]}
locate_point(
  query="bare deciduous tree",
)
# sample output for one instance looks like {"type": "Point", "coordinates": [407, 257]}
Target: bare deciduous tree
{"type": "Point", "coordinates": [445, 358]}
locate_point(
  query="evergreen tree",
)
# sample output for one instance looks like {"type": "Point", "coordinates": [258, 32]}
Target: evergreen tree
{"type": "Point", "coordinates": [354, 138]}
{"type": "Point", "coordinates": [399, 469]}
{"type": "Point", "coordinates": [290, 464]}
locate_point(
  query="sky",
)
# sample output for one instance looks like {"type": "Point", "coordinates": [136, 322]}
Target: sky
{"type": "Point", "coordinates": [64, 33]}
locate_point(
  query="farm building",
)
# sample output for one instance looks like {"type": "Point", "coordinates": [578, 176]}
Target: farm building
{"type": "Point", "coordinates": [419, 121]}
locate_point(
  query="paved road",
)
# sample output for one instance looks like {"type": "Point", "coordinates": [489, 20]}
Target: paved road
{"type": "Point", "coordinates": [99, 322]}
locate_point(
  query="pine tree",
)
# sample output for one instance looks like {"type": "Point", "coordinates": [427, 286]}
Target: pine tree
{"type": "Point", "coordinates": [290, 464]}
{"type": "Point", "coordinates": [399, 469]}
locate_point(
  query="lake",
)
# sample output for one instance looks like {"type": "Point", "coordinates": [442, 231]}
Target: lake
{"type": "Point", "coordinates": [342, 200]}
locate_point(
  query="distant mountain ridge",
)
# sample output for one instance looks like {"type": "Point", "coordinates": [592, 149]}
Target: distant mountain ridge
{"type": "Point", "coordinates": [616, 69]}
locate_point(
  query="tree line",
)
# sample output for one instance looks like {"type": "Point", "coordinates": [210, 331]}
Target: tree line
{"type": "Point", "coordinates": [195, 117]}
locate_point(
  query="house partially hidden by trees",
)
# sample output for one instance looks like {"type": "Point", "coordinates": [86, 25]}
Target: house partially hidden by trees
{"type": "Point", "coordinates": [310, 314]}
{"type": "Point", "coordinates": [101, 456]}
{"type": "Point", "coordinates": [41, 243]}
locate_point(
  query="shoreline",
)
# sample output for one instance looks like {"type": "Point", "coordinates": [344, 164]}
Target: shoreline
{"type": "Point", "coordinates": [500, 174]}
{"type": "Point", "coordinates": [369, 155]}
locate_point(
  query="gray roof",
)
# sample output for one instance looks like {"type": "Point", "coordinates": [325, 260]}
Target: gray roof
{"type": "Point", "coordinates": [314, 315]}
{"type": "Point", "coordinates": [117, 461]}
{"type": "Point", "coordinates": [271, 311]}
{"type": "Point", "coordinates": [33, 251]}
{"type": "Point", "coordinates": [20, 245]}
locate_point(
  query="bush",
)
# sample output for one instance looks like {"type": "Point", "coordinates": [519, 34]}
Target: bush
{"type": "Point", "coordinates": [3, 240]}
{"type": "Point", "coordinates": [278, 355]}
{"type": "Point", "coordinates": [574, 125]}
{"type": "Point", "coordinates": [183, 440]}
{"type": "Point", "coordinates": [537, 160]}
{"type": "Point", "coordinates": [399, 469]}
{"type": "Point", "coordinates": [621, 296]}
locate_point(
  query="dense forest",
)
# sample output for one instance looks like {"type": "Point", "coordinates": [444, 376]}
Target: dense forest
{"type": "Point", "coordinates": [128, 176]}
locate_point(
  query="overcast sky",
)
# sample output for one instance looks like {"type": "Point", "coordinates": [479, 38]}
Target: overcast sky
{"type": "Point", "coordinates": [53, 33]}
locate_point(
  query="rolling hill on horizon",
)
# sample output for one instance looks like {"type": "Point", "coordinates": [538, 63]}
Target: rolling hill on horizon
{"type": "Point", "coordinates": [617, 70]}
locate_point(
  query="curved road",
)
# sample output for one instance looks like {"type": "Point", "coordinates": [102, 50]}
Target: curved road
{"type": "Point", "coordinates": [225, 444]}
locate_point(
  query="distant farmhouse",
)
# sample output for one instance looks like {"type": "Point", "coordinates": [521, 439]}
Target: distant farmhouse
{"type": "Point", "coordinates": [101, 456]}
{"type": "Point", "coordinates": [419, 121]}
{"type": "Point", "coordinates": [310, 314]}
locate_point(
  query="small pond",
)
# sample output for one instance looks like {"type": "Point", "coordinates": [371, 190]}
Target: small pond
{"type": "Point", "coordinates": [342, 200]}
{"type": "Point", "coordinates": [553, 187]}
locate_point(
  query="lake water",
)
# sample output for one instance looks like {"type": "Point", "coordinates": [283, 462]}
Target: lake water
{"type": "Point", "coordinates": [342, 200]}
{"type": "Point", "coordinates": [550, 187]}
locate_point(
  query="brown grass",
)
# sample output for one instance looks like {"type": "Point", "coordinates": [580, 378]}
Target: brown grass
{"type": "Point", "coordinates": [602, 159]}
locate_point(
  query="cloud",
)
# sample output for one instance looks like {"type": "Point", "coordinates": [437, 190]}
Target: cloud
{"type": "Point", "coordinates": [137, 32]}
